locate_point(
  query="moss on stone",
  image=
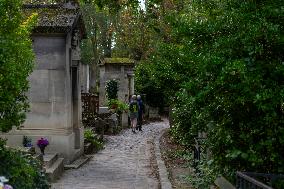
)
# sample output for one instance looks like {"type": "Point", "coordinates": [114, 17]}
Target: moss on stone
{"type": "Point", "coordinates": [118, 61]}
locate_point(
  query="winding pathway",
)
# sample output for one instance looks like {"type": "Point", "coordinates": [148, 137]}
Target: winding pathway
{"type": "Point", "coordinates": [127, 162]}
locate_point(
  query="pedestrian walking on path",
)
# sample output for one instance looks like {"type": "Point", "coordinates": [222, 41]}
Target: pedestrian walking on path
{"type": "Point", "coordinates": [133, 112]}
{"type": "Point", "coordinates": [140, 113]}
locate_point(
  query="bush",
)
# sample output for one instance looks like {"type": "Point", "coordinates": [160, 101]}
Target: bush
{"type": "Point", "coordinates": [237, 90]}
{"type": "Point", "coordinates": [16, 63]}
{"type": "Point", "coordinates": [111, 89]}
{"type": "Point", "coordinates": [93, 138]}
{"type": "Point", "coordinates": [146, 83]}
{"type": "Point", "coordinates": [22, 170]}
{"type": "Point", "coordinates": [118, 106]}
{"type": "Point", "coordinates": [231, 83]}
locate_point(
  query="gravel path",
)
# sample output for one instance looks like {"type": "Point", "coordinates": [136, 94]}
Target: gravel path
{"type": "Point", "coordinates": [127, 162]}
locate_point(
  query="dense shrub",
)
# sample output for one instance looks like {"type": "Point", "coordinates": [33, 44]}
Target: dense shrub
{"type": "Point", "coordinates": [93, 138]}
{"type": "Point", "coordinates": [118, 106]}
{"type": "Point", "coordinates": [145, 83]}
{"type": "Point", "coordinates": [111, 89]}
{"type": "Point", "coordinates": [237, 92]}
{"type": "Point", "coordinates": [22, 170]}
{"type": "Point", "coordinates": [230, 83]}
{"type": "Point", "coordinates": [16, 63]}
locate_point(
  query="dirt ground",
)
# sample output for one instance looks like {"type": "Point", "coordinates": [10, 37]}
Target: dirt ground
{"type": "Point", "coordinates": [178, 167]}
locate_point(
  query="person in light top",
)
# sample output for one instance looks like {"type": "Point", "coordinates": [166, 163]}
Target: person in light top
{"type": "Point", "coordinates": [133, 112]}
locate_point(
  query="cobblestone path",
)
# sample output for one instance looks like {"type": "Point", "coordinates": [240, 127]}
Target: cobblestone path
{"type": "Point", "coordinates": [127, 162]}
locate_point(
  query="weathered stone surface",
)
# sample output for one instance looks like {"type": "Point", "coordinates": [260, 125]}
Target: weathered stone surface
{"type": "Point", "coordinates": [122, 71]}
{"type": "Point", "coordinates": [85, 77]}
{"type": "Point", "coordinates": [222, 183]}
{"type": "Point", "coordinates": [103, 110]}
{"type": "Point", "coordinates": [50, 52]}
{"type": "Point", "coordinates": [125, 163]}
{"type": "Point", "coordinates": [55, 84]}
{"type": "Point", "coordinates": [154, 113]}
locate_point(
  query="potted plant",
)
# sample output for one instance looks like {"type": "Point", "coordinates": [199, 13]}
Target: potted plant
{"type": "Point", "coordinates": [117, 106]}
{"type": "Point", "coordinates": [42, 143]}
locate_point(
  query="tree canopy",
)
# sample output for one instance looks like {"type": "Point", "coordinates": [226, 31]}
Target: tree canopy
{"type": "Point", "coordinates": [220, 65]}
{"type": "Point", "coordinates": [16, 63]}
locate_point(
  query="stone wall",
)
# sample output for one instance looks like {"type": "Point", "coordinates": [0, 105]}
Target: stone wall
{"type": "Point", "coordinates": [85, 78]}
{"type": "Point", "coordinates": [119, 72]}
{"type": "Point", "coordinates": [55, 99]}
{"type": "Point", "coordinates": [48, 85]}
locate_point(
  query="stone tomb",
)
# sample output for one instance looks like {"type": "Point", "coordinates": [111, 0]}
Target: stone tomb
{"type": "Point", "coordinates": [120, 69]}
{"type": "Point", "coordinates": [55, 84]}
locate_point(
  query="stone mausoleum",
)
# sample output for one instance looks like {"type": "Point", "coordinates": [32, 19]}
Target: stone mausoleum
{"type": "Point", "coordinates": [120, 69]}
{"type": "Point", "coordinates": [56, 82]}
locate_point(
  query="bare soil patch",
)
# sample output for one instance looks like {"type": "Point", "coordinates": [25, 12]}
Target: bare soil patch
{"type": "Point", "coordinates": [177, 166]}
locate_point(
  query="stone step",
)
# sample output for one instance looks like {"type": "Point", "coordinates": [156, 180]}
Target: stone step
{"type": "Point", "coordinates": [56, 170]}
{"type": "Point", "coordinates": [49, 159]}
{"type": "Point", "coordinates": [223, 183]}
{"type": "Point", "coordinates": [78, 162]}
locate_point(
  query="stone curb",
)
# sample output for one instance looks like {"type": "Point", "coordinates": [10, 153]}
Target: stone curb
{"type": "Point", "coordinates": [163, 173]}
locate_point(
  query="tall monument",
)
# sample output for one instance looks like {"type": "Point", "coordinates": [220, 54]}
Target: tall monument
{"type": "Point", "coordinates": [55, 84]}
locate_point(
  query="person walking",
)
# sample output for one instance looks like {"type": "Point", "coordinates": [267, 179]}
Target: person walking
{"type": "Point", "coordinates": [133, 112]}
{"type": "Point", "coordinates": [140, 113]}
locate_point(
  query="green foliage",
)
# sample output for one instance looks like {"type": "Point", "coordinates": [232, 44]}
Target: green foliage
{"type": "Point", "coordinates": [97, 23]}
{"type": "Point", "coordinates": [117, 105]}
{"type": "Point", "coordinates": [93, 138]}
{"type": "Point", "coordinates": [236, 92]}
{"type": "Point", "coordinates": [87, 52]}
{"type": "Point", "coordinates": [116, 29]}
{"type": "Point", "coordinates": [223, 63]}
{"type": "Point", "coordinates": [278, 183]}
{"type": "Point", "coordinates": [16, 63]}
{"type": "Point", "coordinates": [204, 177]}
{"type": "Point", "coordinates": [146, 83]}
{"type": "Point", "coordinates": [101, 19]}
{"type": "Point", "coordinates": [134, 36]}
{"type": "Point", "coordinates": [22, 170]}
{"type": "Point", "coordinates": [111, 89]}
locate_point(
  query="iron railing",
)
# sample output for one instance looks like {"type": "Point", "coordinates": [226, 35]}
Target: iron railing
{"type": "Point", "coordinates": [248, 180]}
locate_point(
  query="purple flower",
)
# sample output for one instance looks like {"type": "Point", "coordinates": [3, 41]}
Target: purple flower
{"type": "Point", "coordinates": [7, 186]}
{"type": "Point", "coordinates": [42, 142]}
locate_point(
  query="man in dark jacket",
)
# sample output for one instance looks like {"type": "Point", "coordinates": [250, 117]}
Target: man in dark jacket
{"type": "Point", "coordinates": [140, 113]}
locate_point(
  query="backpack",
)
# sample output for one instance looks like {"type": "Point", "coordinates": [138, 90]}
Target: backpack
{"type": "Point", "coordinates": [133, 107]}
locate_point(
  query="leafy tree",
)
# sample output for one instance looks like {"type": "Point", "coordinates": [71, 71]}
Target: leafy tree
{"type": "Point", "coordinates": [134, 37]}
{"type": "Point", "coordinates": [145, 83]}
{"type": "Point", "coordinates": [162, 71]}
{"type": "Point", "coordinates": [16, 63]}
{"type": "Point", "coordinates": [100, 19]}
{"type": "Point", "coordinates": [111, 89]}
{"type": "Point", "coordinates": [222, 61]}
{"type": "Point", "coordinates": [23, 170]}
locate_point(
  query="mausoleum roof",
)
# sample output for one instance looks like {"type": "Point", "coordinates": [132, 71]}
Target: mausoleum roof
{"type": "Point", "coordinates": [55, 15]}
{"type": "Point", "coordinates": [123, 61]}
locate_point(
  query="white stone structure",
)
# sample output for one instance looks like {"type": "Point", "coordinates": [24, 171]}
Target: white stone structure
{"type": "Point", "coordinates": [55, 84]}
{"type": "Point", "coordinates": [120, 69]}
